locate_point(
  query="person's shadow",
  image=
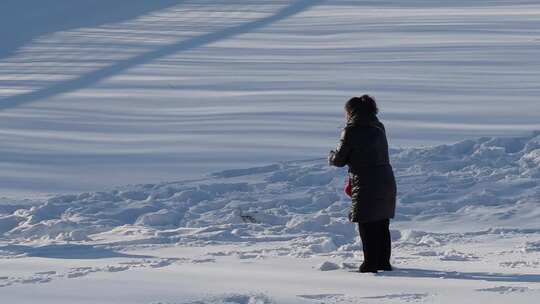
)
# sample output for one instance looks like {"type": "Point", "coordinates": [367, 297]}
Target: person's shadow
{"type": "Point", "coordinates": [481, 276]}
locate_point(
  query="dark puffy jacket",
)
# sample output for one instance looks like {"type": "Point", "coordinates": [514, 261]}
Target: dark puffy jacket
{"type": "Point", "coordinates": [364, 148]}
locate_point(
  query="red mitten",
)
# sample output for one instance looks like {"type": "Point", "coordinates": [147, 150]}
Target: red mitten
{"type": "Point", "coordinates": [348, 187]}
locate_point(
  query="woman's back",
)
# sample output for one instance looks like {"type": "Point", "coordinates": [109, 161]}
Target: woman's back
{"type": "Point", "coordinates": [363, 147]}
{"type": "Point", "coordinates": [369, 146]}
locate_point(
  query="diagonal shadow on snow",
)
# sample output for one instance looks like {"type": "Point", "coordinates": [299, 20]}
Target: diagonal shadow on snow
{"type": "Point", "coordinates": [480, 276]}
{"type": "Point", "coordinates": [68, 251]}
{"type": "Point", "coordinates": [22, 21]}
{"type": "Point", "coordinates": [93, 77]}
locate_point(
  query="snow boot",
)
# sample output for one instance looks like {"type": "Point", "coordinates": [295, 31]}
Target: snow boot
{"type": "Point", "coordinates": [364, 268]}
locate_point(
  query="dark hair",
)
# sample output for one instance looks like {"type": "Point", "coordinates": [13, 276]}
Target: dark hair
{"type": "Point", "coordinates": [364, 105]}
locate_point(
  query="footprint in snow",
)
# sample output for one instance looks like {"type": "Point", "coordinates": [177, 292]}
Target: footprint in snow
{"type": "Point", "coordinates": [112, 268]}
{"type": "Point", "coordinates": [36, 278]}
{"type": "Point", "coordinates": [457, 256]}
{"type": "Point", "coordinates": [520, 264]}
{"type": "Point", "coordinates": [505, 289]}
{"type": "Point", "coordinates": [323, 296]}
{"type": "Point", "coordinates": [46, 272]}
{"type": "Point", "coordinates": [406, 297]}
{"type": "Point", "coordinates": [200, 261]}
{"type": "Point", "coordinates": [229, 299]}
{"type": "Point", "coordinates": [330, 298]}
{"type": "Point", "coordinates": [78, 272]}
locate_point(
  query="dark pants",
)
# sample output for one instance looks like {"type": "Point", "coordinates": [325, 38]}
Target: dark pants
{"type": "Point", "coordinates": [376, 243]}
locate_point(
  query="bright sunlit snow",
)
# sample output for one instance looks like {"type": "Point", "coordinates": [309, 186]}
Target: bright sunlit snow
{"type": "Point", "coordinates": [175, 151]}
{"type": "Point", "coordinates": [94, 95]}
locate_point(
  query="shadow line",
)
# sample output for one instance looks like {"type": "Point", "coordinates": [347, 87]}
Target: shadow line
{"type": "Point", "coordinates": [480, 276]}
{"type": "Point", "coordinates": [22, 21]}
{"type": "Point", "coordinates": [122, 65]}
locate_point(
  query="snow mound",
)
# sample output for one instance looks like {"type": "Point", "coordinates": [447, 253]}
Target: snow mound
{"type": "Point", "coordinates": [470, 185]}
{"type": "Point", "coordinates": [327, 266]}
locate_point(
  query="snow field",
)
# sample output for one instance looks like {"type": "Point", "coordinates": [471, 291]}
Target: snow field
{"type": "Point", "coordinates": [151, 92]}
{"type": "Point", "coordinates": [483, 194]}
{"type": "Point", "coordinates": [473, 185]}
{"type": "Point", "coordinates": [176, 89]}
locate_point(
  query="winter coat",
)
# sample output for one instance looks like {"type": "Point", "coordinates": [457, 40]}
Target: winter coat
{"type": "Point", "coordinates": [364, 148]}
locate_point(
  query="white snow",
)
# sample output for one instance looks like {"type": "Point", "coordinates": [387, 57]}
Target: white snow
{"type": "Point", "coordinates": [463, 215]}
{"type": "Point", "coordinates": [174, 151]}
{"type": "Point", "coordinates": [142, 91]}
{"type": "Point", "coordinates": [457, 188]}
{"type": "Point", "coordinates": [327, 266]}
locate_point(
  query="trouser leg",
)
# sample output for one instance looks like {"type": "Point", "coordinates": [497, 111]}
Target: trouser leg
{"type": "Point", "coordinates": [370, 245]}
{"type": "Point", "coordinates": [385, 244]}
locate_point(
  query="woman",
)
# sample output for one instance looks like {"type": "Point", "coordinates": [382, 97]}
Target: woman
{"type": "Point", "coordinates": [364, 148]}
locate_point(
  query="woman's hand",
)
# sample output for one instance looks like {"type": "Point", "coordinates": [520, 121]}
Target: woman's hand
{"type": "Point", "coordinates": [340, 156]}
{"type": "Point", "coordinates": [331, 156]}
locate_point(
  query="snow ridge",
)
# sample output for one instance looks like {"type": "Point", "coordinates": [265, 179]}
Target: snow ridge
{"type": "Point", "coordinates": [473, 185]}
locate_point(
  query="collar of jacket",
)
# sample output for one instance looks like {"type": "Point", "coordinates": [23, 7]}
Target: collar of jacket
{"type": "Point", "coordinates": [367, 121]}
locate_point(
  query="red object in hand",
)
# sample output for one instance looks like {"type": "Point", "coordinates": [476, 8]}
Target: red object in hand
{"type": "Point", "coordinates": [348, 187]}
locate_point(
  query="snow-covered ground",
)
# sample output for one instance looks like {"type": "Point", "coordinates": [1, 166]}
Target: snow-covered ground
{"type": "Point", "coordinates": [96, 94]}
{"type": "Point", "coordinates": [467, 229]}
{"type": "Point", "coordinates": [174, 151]}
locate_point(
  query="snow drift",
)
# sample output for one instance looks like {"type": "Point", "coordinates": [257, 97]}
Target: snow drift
{"type": "Point", "coordinates": [481, 184]}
